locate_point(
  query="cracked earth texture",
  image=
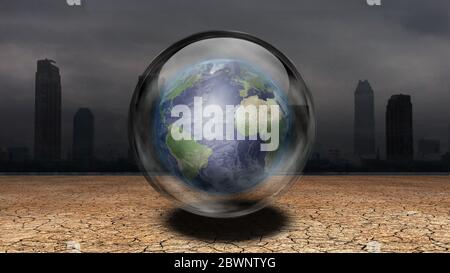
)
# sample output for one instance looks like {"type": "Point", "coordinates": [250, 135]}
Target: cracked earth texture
{"type": "Point", "coordinates": [319, 214]}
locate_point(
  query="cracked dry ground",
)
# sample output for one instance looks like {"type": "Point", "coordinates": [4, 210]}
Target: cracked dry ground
{"type": "Point", "coordinates": [319, 214]}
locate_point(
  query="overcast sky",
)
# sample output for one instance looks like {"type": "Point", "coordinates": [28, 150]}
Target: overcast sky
{"type": "Point", "coordinates": [401, 47]}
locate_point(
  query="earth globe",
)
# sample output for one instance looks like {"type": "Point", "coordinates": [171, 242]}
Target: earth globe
{"type": "Point", "coordinates": [221, 123]}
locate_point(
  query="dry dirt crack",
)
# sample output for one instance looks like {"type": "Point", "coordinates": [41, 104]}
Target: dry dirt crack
{"type": "Point", "coordinates": [319, 214]}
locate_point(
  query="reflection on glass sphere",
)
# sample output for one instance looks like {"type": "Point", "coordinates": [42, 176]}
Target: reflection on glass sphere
{"type": "Point", "coordinates": [222, 123]}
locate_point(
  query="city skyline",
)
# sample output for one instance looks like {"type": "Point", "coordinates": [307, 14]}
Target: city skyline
{"type": "Point", "coordinates": [400, 47]}
{"type": "Point", "coordinates": [399, 132]}
{"type": "Point", "coordinates": [84, 126]}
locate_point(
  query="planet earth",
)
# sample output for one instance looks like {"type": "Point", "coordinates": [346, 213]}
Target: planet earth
{"type": "Point", "coordinates": [220, 166]}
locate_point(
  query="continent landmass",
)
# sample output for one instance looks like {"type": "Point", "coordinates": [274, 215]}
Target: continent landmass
{"type": "Point", "coordinates": [190, 155]}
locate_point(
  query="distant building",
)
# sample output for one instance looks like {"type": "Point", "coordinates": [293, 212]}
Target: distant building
{"type": "Point", "coordinates": [3, 155]}
{"type": "Point", "coordinates": [47, 124]}
{"type": "Point", "coordinates": [131, 156]}
{"type": "Point", "coordinates": [429, 149]}
{"type": "Point", "coordinates": [83, 135]}
{"type": "Point", "coordinates": [364, 121]}
{"type": "Point", "coordinates": [399, 128]}
{"type": "Point", "coordinates": [446, 162]}
{"type": "Point", "coordinates": [19, 154]}
{"type": "Point", "coordinates": [320, 151]}
{"type": "Point", "coordinates": [334, 155]}
{"type": "Point", "coordinates": [448, 138]}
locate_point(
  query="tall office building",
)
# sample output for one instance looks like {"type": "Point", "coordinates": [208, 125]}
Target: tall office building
{"type": "Point", "coordinates": [364, 121]}
{"type": "Point", "coordinates": [47, 115]}
{"type": "Point", "coordinates": [83, 135]}
{"type": "Point", "coordinates": [399, 129]}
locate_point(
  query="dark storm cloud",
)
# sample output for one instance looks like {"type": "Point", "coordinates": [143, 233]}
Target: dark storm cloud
{"type": "Point", "coordinates": [102, 47]}
{"type": "Point", "coordinates": [430, 18]}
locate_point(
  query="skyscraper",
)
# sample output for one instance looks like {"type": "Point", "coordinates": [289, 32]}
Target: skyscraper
{"type": "Point", "coordinates": [83, 135]}
{"type": "Point", "coordinates": [399, 129]}
{"type": "Point", "coordinates": [47, 115]}
{"type": "Point", "coordinates": [364, 122]}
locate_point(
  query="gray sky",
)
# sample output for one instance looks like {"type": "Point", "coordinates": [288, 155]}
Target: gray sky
{"type": "Point", "coordinates": [401, 47]}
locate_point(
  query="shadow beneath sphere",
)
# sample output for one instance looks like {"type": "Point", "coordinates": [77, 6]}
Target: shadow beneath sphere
{"type": "Point", "coordinates": [256, 225]}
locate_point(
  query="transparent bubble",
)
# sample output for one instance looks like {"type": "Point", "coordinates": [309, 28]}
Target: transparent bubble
{"type": "Point", "coordinates": [221, 123]}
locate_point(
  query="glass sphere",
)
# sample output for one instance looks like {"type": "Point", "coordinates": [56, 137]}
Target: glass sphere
{"type": "Point", "coordinates": [221, 123]}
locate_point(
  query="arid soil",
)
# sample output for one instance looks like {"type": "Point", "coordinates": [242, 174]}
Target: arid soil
{"type": "Point", "coordinates": [319, 214]}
